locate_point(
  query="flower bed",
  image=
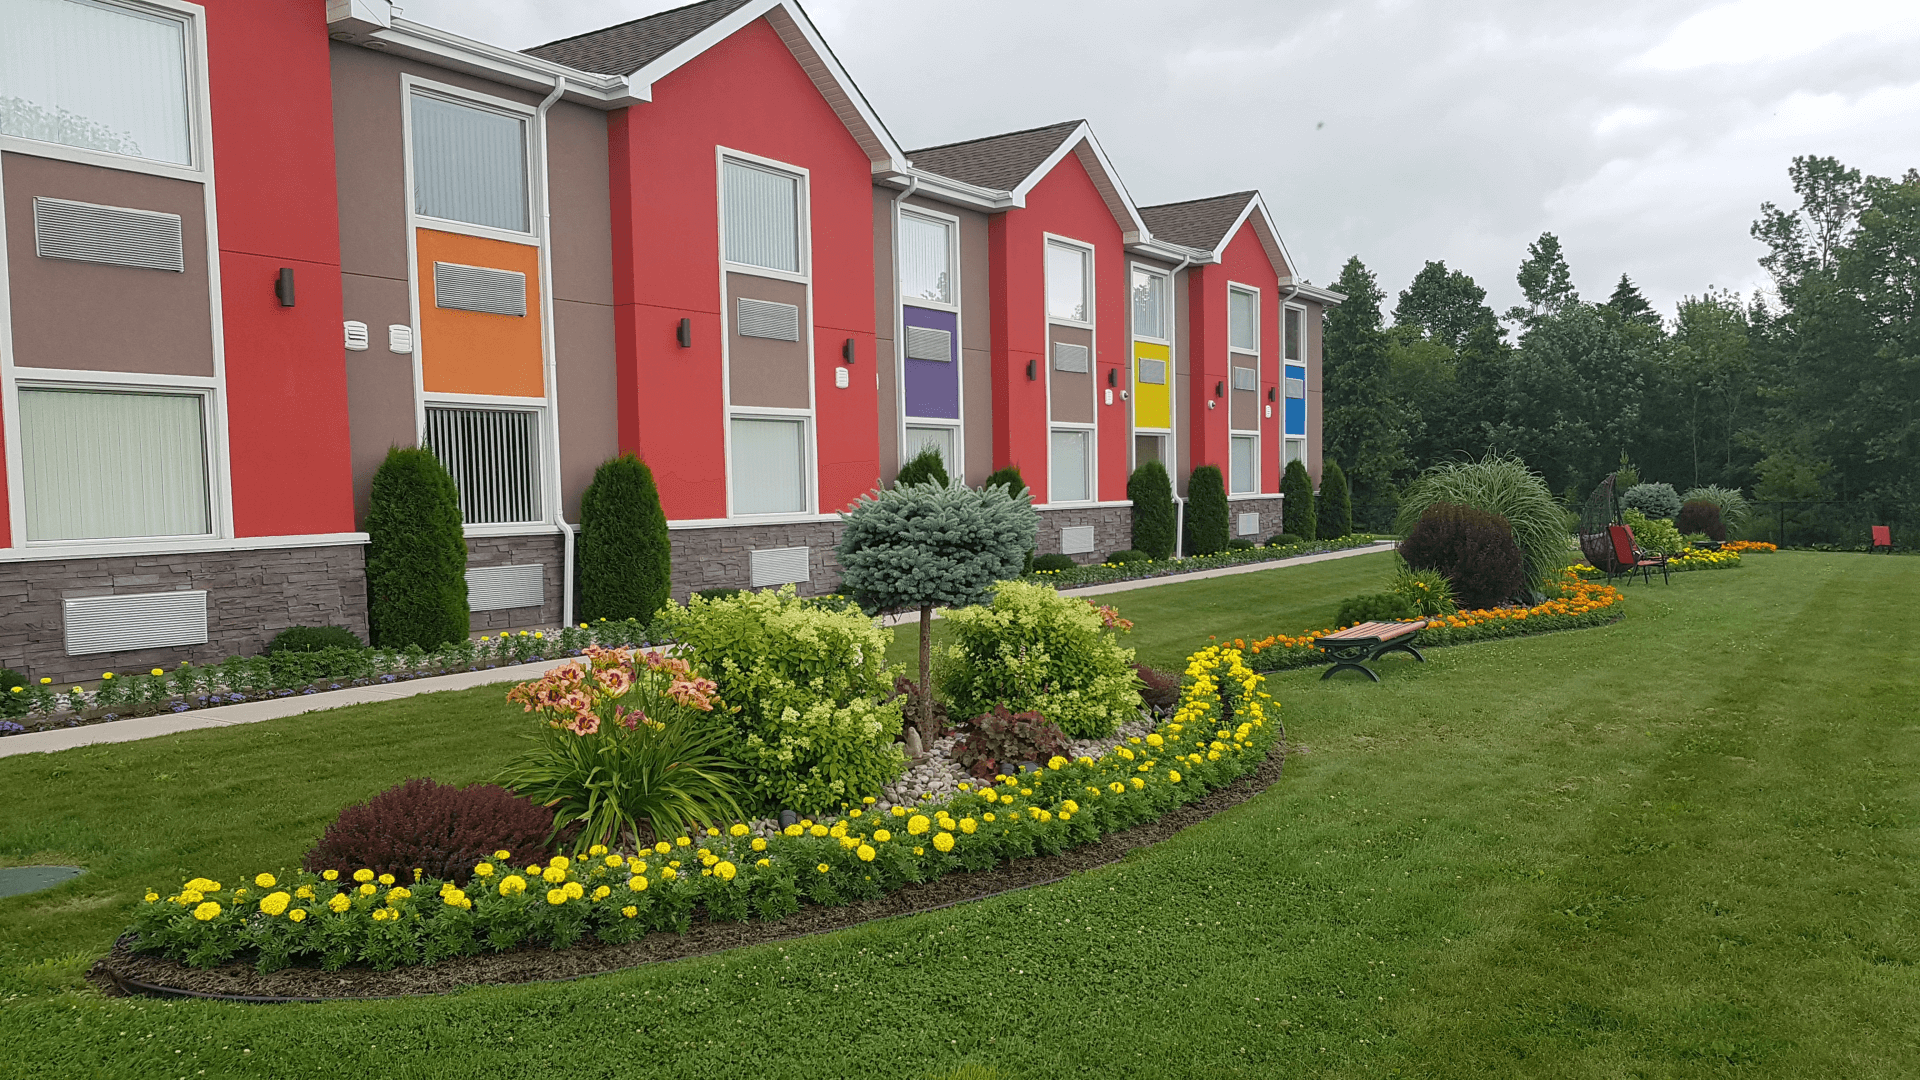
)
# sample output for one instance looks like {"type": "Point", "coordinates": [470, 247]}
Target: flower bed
{"type": "Point", "coordinates": [1102, 573]}
{"type": "Point", "coordinates": [1750, 547]}
{"type": "Point", "coordinates": [1220, 732]}
{"type": "Point", "coordinates": [1727, 558]}
{"type": "Point", "coordinates": [1582, 603]}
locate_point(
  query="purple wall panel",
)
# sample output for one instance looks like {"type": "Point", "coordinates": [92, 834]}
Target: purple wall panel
{"type": "Point", "coordinates": [933, 388]}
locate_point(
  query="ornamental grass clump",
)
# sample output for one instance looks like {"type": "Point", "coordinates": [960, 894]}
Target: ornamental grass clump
{"type": "Point", "coordinates": [1505, 487]}
{"type": "Point", "coordinates": [439, 829]}
{"type": "Point", "coordinates": [1471, 548]}
{"type": "Point", "coordinates": [626, 746]}
{"type": "Point", "coordinates": [1033, 650]}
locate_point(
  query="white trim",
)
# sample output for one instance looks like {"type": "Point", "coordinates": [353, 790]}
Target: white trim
{"type": "Point", "coordinates": [1131, 226]}
{"type": "Point", "coordinates": [958, 467]}
{"type": "Point", "coordinates": [1091, 505]}
{"type": "Point", "coordinates": [483, 232]}
{"type": "Point", "coordinates": [759, 519]}
{"type": "Point", "coordinates": [132, 379]}
{"type": "Point", "coordinates": [510, 528]}
{"type": "Point", "coordinates": [109, 549]}
{"type": "Point", "coordinates": [1252, 496]}
{"type": "Point", "coordinates": [417, 41]}
{"type": "Point", "coordinates": [1047, 322]}
{"type": "Point", "coordinates": [487, 401]}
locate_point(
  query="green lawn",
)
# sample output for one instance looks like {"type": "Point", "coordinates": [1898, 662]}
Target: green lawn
{"type": "Point", "coordinates": [1681, 845]}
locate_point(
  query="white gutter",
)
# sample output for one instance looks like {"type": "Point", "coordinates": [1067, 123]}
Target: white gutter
{"type": "Point", "coordinates": [550, 364]}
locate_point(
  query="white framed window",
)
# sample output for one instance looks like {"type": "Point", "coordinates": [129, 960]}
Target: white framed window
{"type": "Point", "coordinates": [99, 464]}
{"type": "Point", "coordinates": [469, 163]}
{"type": "Point", "coordinates": [760, 212]}
{"type": "Point", "coordinates": [1152, 314]}
{"type": "Point", "coordinates": [1295, 335]}
{"type": "Point", "coordinates": [1150, 448]}
{"type": "Point", "coordinates": [110, 77]}
{"type": "Point", "coordinates": [926, 259]}
{"type": "Point", "coordinates": [1243, 319]}
{"type": "Point", "coordinates": [769, 465]}
{"type": "Point", "coordinates": [1296, 382]}
{"type": "Point", "coordinates": [493, 455]}
{"type": "Point", "coordinates": [1245, 378]}
{"type": "Point", "coordinates": [942, 439]}
{"type": "Point", "coordinates": [1296, 451]}
{"type": "Point", "coordinates": [1071, 477]}
{"type": "Point", "coordinates": [1069, 283]}
{"type": "Point", "coordinates": [1243, 474]}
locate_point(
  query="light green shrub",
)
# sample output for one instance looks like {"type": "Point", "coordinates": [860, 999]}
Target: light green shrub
{"type": "Point", "coordinates": [1427, 591]}
{"type": "Point", "coordinates": [1034, 650]}
{"type": "Point", "coordinates": [1655, 534]}
{"type": "Point", "coordinates": [802, 688]}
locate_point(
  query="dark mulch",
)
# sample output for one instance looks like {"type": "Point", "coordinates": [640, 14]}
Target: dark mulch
{"type": "Point", "coordinates": [122, 972]}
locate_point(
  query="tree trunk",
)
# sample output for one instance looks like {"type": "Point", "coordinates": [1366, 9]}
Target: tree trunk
{"type": "Point", "coordinates": [925, 719]}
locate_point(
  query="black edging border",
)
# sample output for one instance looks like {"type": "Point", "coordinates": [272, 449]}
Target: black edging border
{"type": "Point", "coordinates": [114, 984]}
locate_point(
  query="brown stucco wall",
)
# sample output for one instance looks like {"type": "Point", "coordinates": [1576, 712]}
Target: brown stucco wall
{"type": "Point", "coordinates": [88, 316]}
{"type": "Point", "coordinates": [1070, 393]}
{"type": "Point", "coordinates": [769, 374]}
{"type": "Point", "coordinates": [1243, 405]}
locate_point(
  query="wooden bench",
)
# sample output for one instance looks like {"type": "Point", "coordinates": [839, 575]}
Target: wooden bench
{"type": "Point", "coordinates": [1370, 641]}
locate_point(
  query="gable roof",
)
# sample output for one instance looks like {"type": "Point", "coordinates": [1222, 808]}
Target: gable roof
{"type": "Point", "coordinates": [1000, 162]}
{"type": "Point", "coordinates": [1198, 223]}
{"type": "Point", "coordinates": [630, 46]}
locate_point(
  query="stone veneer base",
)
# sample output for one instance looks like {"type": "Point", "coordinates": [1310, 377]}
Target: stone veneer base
{"type": "Point", "coordinates": [542, 548]}
{"type": "Point", "coordinates": [722, 558]}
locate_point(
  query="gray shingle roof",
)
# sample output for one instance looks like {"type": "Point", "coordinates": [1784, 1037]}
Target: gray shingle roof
{"type": "Point", "coordinates": [1197, 223]}
{"type": "Point", "coordinates": [997, 161]}
{"type": "Point", "coordinates": [630, 46]}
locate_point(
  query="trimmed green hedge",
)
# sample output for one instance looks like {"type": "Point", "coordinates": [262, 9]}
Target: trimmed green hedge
{"type": "Point", "coordinates": [1207, 530]}
{"type": "Point", "coordinates": [626, 556]}
{"type": "Point", "coordinates": [1297, 514]}
{"type": "Point", "coordinates": [416, 553]}
{"type": "Point", "coordinates": [1150, 490]}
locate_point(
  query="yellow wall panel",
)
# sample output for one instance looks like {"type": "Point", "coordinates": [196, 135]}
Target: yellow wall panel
{"type": "Point", "coordinates": [1152, 402]}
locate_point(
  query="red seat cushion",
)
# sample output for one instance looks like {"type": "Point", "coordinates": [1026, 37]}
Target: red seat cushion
{"type": "Point", "coordinates": [1882, 536]}
{"type": "Point", "coordinates": [1623, 545]}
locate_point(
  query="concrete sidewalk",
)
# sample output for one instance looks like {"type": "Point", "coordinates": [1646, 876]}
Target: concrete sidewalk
{"type": "Point", "coordinates": [252, 712]}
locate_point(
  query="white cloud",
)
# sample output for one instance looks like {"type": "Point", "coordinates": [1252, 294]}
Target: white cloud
{"type": "Point", "coordinates": [1757, 31]}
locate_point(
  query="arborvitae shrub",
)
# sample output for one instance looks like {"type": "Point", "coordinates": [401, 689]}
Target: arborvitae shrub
{"type": "Point", "coordinates": [1150, 490]}
{"type": "Point", "coordinates": [1700, 516]}
{"type": "Point", "coordinates": [926, 467]}
{"type": "Point", "coordinates": [1053, 562]}
{"type": "Point", "coordinates": [1334, 515]}
{"type": "Point", "coordinates": [439, 829]}
{"type": "Point", "coordinates": [1373, 607]}
{"type": "Point", "coordinates": [1472, 549]}
{"type": "Point", "coordinates": [1206, 511]}
{"type": "Point", "coordinates": [1009, 478]}
{"type": "Point", "coordinates": [626, 558]}
{"type": "Point", "coordinates": [1653, 500]}
{"type": "Point", "coordinates": [312, 639]}
{"type": "Point", "coordinates": [1296, 508]}
{"type": "Point", "coordinates": [416, 553]}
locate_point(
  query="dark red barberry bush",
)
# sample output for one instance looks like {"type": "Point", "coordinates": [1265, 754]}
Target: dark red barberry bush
{"type": "Point", "coordinates": [439, 829]}
{"type": "Point", "coordinates": [1472, 549]}
{"type": "Point", "coordinates": [1700, 516]}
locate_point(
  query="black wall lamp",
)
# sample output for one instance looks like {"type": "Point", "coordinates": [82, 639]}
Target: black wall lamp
{"type": "Point", "coordinates": [1032, 372]}
{"type": "Point", "coordinates": [1219, 389]}
{"type": "Point", "coordinates": [847, 352]}
{"type": "Point", "coordinates": [685, 333]}
{"type": "Point", "coordinates": [283, 286]}
{"type": "Point", "coordinates": [1113, 376]}
{"type": "Point", "coordinates": [1269, 393]}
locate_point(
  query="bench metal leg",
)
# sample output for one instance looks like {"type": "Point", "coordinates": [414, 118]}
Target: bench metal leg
{"type": "Point", "coordinates": [1349, 665]}
{"type": "Point", "coordinates": [1401, 646]}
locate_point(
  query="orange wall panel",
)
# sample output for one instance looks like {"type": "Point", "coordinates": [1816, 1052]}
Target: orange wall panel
{"type": "Point", "coordinates": [472, 352]}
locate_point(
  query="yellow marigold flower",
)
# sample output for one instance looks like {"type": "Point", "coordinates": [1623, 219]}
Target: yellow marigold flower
{"type": "Point", "coordinates": [1117, 787]}
{"type": "Point", "coordinates": [759, 844]}
{"type": "Point", "coordinates": [725, 870]}
{"type": "Point", "coordinates": [201, 884]}
{"type": "Point", "coordinates": [708, 858]}
{"type": "Point", "coordinates": [207, 911]}
{"type": "Point", "coordinates": [398, 893]}
{"type": "Point", "coordinates": [1055, 762]}
{"type": "Point", "coordinates": [574, 890]}
{"type": "Point", "coordinates": [849, 842]}
{"type": "Point", "coordinates": [368, 889]}
{"type": "Point", "coordinates": [1173, 775]}
{"type": "Point", "coordinates": [1212, 755]}
{"type": "Point", "coordinates": [629, 911]}
{"type": "Point", "coordinates": [152, 896]}
{"type": "Point", "coordinates": [560, 862]}
{"type": "Point", "coordinates": [512, 884]}
{"type": "Point", "coordinates": [667, 873]}
{"type": "Point", "coordinates": [386, 879]}
{"type": "Point", "coordinates": [739, 830]}
{"type": "Point", "coordinates": [483, 870]}
{"type": "Point", "coordinates": [868, 801]}
{"type": "Point", "coordinates": [819, 830]}
{"type": "Point", "coordinates": [190, 896]}
{"type": "Point", "coordinates": [662, 847]}
{"type": "Point", "coordinates": [363, 874]}
{"type": "Point", "coordinates": [264, 881]}
{"type": "Point", "coordinates": [304, 892]}
{"type": "Point", "coordinates": [637, 866]}
{"type": "Point", "coordinates": [882, 835]}
{"type": "Point", "coordinates": [865, 852]}
{"type": "Point", "coordinates": [1070, 806]}
{"type": "Point", "coordinates": [943, 842]}
{"type": "Point", "coordinates": [988, 816]}
{"type": "Point", "coordinates": [1123, 752]}
{"type": "Point", "coordinates": [899, 811]}
{"type": "Point", "coordinates": [918, 824]}
{"type": "Point", "coordinates": [1065, 816]}
{"type": "Point", "coordinates": [793, 830]}
{"type": "Point", "coordinates": [684, 841]}
{"type": "Point", "coordinates": [298, 914]}
{"type": "Point", "coordinates": [614, 861]}
{"type": "Point", "coordinates": [556, 897]}
{"type": "Point", "coordinates": [453, 898]}
{"type": "Point", "coordinates": [967, 825]}
{"type": "Point", "coordinates": [596, 851]}
{"type": "Point", "coordinates": [637, 883]}
{"type": "Point", "coordinates": [711, 831]}
{"type": "Point", "coordinates": [823, 868]}
{"type": "Point", "coordinates": [855, 812]}
{"type": "Point", "coordinates": [330, 875]}
{"type": "Point", "coordinates": [839, 829]}
{"type": "Point", "coordinates": [763, 863]}
{"type": "Point", "coordinates": [503, 854]}
{"type": "Point", "coordinates": [554, 875]}
{"type": "Point", "coordinates": [1138, 783]}
{"type": "Point", "coordinates": [275, 903]}
{"type": "Point", "coordinates": [339, 903]}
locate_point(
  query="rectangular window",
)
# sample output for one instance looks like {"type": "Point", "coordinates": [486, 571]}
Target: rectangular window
{"type": "Point", "coordinates": [98, 77]}
{"type": "Point", "coordinates": [926, 259]}
{"type": "Point", "coordinates": [938, 438]}
{"type": "Point", "coordinates": [1245, 378]}
{"type": "Point", "coordinates": [1150, 305]}
{"type": "Point", "coordinates": [1149, 448]}
{"type": "Point", "coordinates": [1242, 476]}
{"type": "Point", "coordinates": [1296, 451]}
{"type": "Point", "coordinates": [769, 466]}
{"type": "Point", "coordinates": [1296, 382]}
{"type": "Point", "coordinates": [1072, 467]}
{"type": "Point", "coordinates": [469, 164]}
{"type": "Point", "coordinates": [1296, 335]}
{"type": "Point", "coordinates": [101, 465]}
{"type": "Point", "coordinates": [1243, 319]}
{"type": "Point", "coordinates": [1153, 372]}
{"type": "Point", "coordinates": [762, 212]}
{"type": "Point", "coordinates": [494, 456]}
{"type": "Point", "coordinates": [1067, 284]}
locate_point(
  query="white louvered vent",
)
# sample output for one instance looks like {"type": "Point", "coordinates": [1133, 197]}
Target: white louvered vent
{"type": "Point", "coordinates": [928, 344]}
{"type": "Point", "coordinates": [1249, 524]}
{"type": "Point", "coordinates": [1244, 378]}
{"type": "Point", "coordinates": [1069, 357]}
{"type": "Point", "coordinates": [780, 566]}
{"type": "Point", "coordinates": [492, 588]}
{"type": "Point", "coordinates": [1153, 371]}
{"type": "Point", "coordinates": [766, 319]}
{"type": "Point", "coordinates": [98, 624]}
{"type": "Point", "coordinates": [356, 335]}
{"type": "Point", "coordinates": [479, 288]}
{"type": "Point", "coordinates": [1076, 540]}
{"type": "Point", "coordinates": [114, 235]}
{"type": "Point", "coordinates": [1296, 388]}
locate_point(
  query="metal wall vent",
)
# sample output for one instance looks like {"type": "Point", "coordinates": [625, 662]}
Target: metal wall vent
{"type": "Point", "coordinates": [780, 566]}
{"type": "Point", "coordinates": [1245, 378]}
{"type": "Point", "coordinates": [1296, 388]}
{"type": "Point", "coordinates": [1154, 372]}
{"type": "Point", "coordinates": [1069, 357]}
{"type": "Point", "coordinates": [1249, 524]}
{"type": "Point", "coordinates": [114, 235]}
{"type": "Point", "coordinates": [767, 319]}
{"type": "Point", "coordinates": [356, 335]}
{"type": "Point", "coordinates": [1076, 540]}
{"type": "Point", "coordinates": [479, 288]}
{"type": "Point", "coordinates": [98, 624]}
{"type": "Point", "coordinates": [927, 344]}
{"type": "Point", "coordinates": [493, 588]}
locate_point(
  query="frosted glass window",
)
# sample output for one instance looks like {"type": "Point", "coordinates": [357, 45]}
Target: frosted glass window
{"type": "Point", "coordinates": [96, 76]}
{"type": "Point", "coordinates": [1240, 467]}
{"type": "Point", "coordinates": [769, 466]}
{"type": "Point", "coordinates": [1296, 451]}
{"type": "Point", "coordinates": [1067, 284]}
{"type": "Point", "coordinates": [762, 211]}
{"type": "Point", "coordinates": [1295, 334]}
{"type": "Point", "coordinates": [469, 164]}
{"type": "Point", "coordinates": [1149, 448]}
{"type": "Point", "coordinates": [926, 259]}
{"type": "Point", "coordinates": [1243, 319]}
{"type": "Point", "coordinates": [939, 438]}
{"type": "Point", "coordinates": [1150, 305]}
{"type": "Point", "coordinates": [100, 465]}
{"type": "Point", "coordinates": [1072, 460]}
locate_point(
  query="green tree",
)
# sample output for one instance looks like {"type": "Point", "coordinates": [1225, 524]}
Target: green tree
{"type": "Point", "coordinates": [1628, 302]}
{"type": "Point", "coordinates": [626, 557]}
{"type": "Point", "coordinates": [1334, 516]}
{"type": "Point", "coordinates": [1545, 280]}
{"type": "Point", "coordinates": [1446, 306]}
{"type": "Point", "coordinates": [416, 553]}
{"type": "Point", "coordinates": [933, 545]}
{"type": "Point", "coordinates": [1360, 425]}
{"type": "Point", "coordinates": [926, 467]}
{"type": "Point", "coordinates": [1206, 511]}
{"type": "Point", "coordinates": [1297, 511]}
{"type": "Point", "coordinates": [1150, 490]}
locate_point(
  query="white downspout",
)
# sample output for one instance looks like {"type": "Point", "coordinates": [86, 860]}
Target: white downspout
{"type": "Point", "coordinates": [1179, 503]}
{"type": "Point", "coordinates": [900, 333]}
{"type": "Point", "coordinates": [551, 364]}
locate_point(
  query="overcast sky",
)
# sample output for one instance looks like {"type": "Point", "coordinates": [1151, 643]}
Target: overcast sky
{"type": "Point", "coordinates": [1645, 133]}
